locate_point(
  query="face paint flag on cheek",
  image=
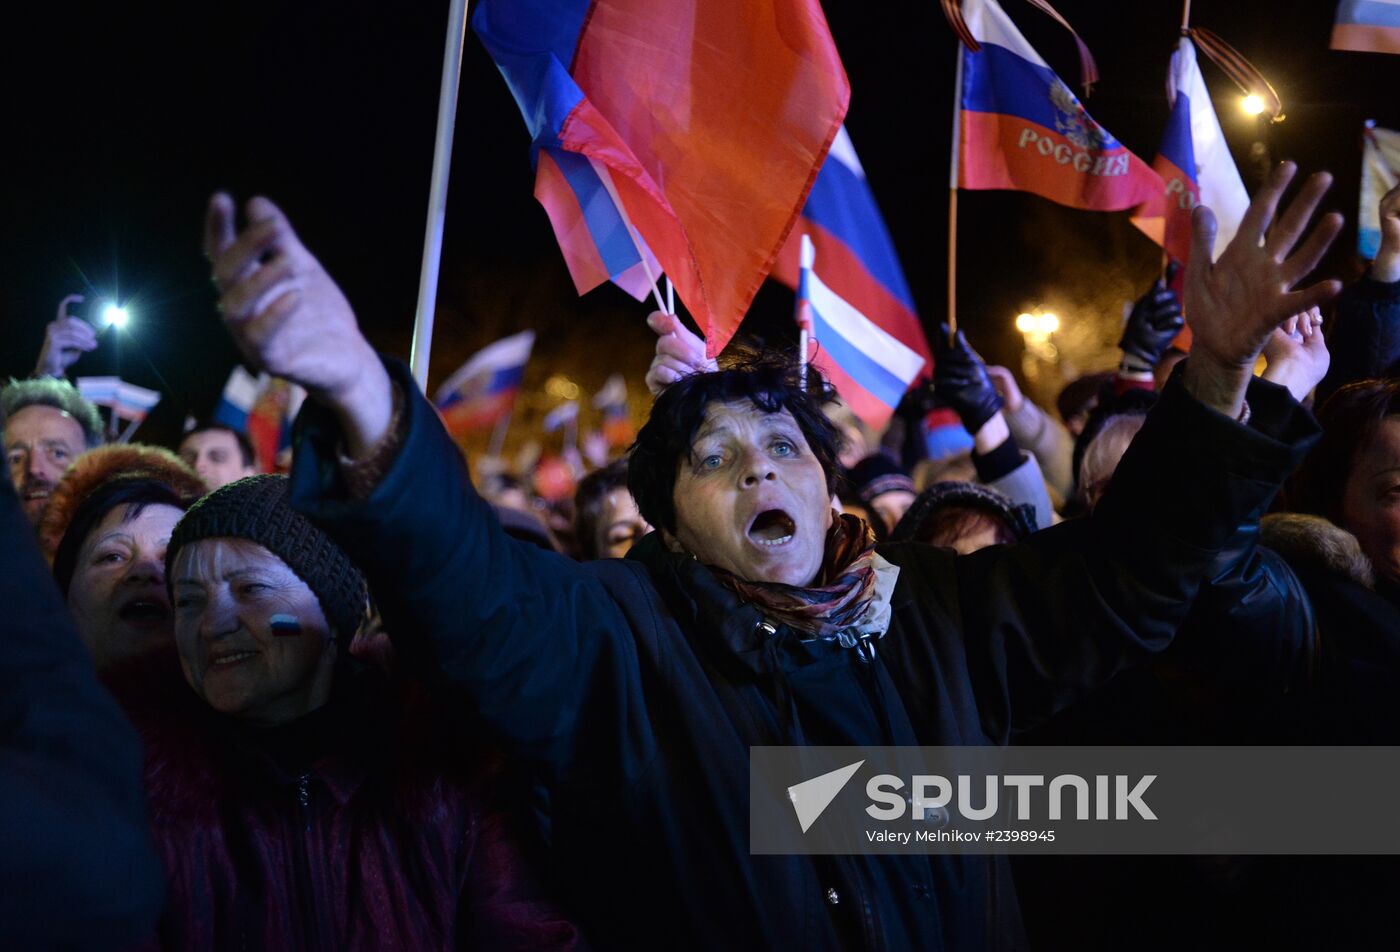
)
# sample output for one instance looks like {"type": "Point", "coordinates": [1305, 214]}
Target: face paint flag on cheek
{"type": "Point", "coordinates": [285, 625]}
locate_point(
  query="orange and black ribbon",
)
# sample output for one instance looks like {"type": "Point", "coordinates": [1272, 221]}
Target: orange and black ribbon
{"type": "Point", "coordinates": [1088, 69]}
{"type": "Point", "coordinates": [1240, 70]}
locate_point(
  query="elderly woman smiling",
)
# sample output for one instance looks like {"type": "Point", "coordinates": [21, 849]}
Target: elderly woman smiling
{"type": "Point", "coordinates": [304, 803]}
{"type": "Point", "coordinates": [754, 616]}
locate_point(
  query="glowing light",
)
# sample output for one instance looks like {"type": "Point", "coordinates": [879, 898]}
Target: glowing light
{"type": "Point", "coordinates": [115, 316]}
{"type": "Point", "coordinates": [1252, 104]}
{"type": "Point", "coordinates": [1048, 323]}
{"type": "Point", "coordinates": [561, 387]}
{"type": "Point", "coordinates": [1026, 323]}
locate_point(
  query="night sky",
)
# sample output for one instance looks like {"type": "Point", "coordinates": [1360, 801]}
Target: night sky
{"type": "Point", "coordinates": [121, 118]}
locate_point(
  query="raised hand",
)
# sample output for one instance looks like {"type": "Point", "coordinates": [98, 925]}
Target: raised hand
{"type": "Point", "coordinates": [1386, 267]}
{"type": "Point", "coordinates": [1006, 385]}
{"type": "Point", "coordinates": [679, 353]}
{"type": "Point", "coordinates": [65, 340]}
{"type": "Point", "coordinates": [1153, 324]}
{"type": "Point", "coordinates": [1297, 355]}
{"type": "Point", "coordinates": [960, 378]}
{"type": "Point", "coordinates": [289, 318]}
{"type": "Point", "coordinates": [1234, 304]}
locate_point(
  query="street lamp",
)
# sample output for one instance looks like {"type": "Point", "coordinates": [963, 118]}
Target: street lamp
{"type": "Point", "coordinates": [1253, 104]}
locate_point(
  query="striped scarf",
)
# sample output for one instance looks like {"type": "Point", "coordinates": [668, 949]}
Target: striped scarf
{"type": "Point", "coordinates": [843, 590]}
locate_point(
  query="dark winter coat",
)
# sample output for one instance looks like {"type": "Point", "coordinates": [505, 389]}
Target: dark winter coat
{"type": "Point", "coordinates": [349, 828]}
{"type": "Point", "coordinates": [1365, 340]}
{"type": "Point", "coordinates": [76, 866]}
{"type": "Point", "coordinates": [637, 687]}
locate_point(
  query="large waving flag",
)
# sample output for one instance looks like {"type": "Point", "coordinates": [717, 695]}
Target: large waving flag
{"type": "Point", "coordinates": [1380, 171]}
{"type": "Point", "coordinates": [859, 263]}
{"type": "Point", "coordinates": [1195, 163]}
{"type": "Point", "coordinates": [1022, 128]}
{"type": "Point", "coordinates": [707, 123]}
{"type": "Point", "coordinates": [869, 367]}
{"type": "Point", "coordinates": [1367, 26]}
{"type": "Point", "coordinates": [483, 389]}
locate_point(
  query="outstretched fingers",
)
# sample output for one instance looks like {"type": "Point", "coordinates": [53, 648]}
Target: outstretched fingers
{"type": "Point", "coordinates": [1260, 213]}
{"type": "Point", "coordinates": [1302, 262]}
{"type": "Point", "coordinates": [1290, 227]}
{"type": "Point", "coordinates": [1313, 296]}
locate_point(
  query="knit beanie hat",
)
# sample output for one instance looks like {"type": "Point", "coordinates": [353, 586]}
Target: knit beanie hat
{"type": "Point", "coordinates": [878, 474]}
{"type": "Point", "coordinates": [1019, 518]}
{"type": "Point", "coordinates": [257, 508]}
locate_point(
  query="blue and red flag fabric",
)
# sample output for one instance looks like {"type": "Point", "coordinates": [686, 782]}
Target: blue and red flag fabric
{"type": "Point", "coordinates": [1021, 127]}
{"type": "Point", "coordinates": [1195, 163]}
{"type": "Point", "coordinates": [1367, 26]}
{"type": "Point", "coordinates": [869, 367]}
{"type": "Point", "coordinates": [709, 121]}
{"type": "Point", "coordinates": [859, 262]}
{"type": "Point", "coordinates": [483, 390]}
{"type": "Point", "coordinates": [263, 407]}
{"type": "Point", "coordinates": [611, 403]}
{"type": "Point", "coordinates": [1380, 172]}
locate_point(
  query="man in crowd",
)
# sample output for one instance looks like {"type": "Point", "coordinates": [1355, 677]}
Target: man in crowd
{"type": "Point", "coordinates": [219, 454]}
{"type": "Point", "coordinates": [754, 614]}
{"type": "Point", "coordinates": [47, 424]}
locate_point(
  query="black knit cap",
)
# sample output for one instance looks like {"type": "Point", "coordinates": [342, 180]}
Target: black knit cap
{"type": "Point", "coordinates": [257, 508]}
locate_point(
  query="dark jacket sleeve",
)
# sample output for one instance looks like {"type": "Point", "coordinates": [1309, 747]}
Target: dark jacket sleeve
{"type": "Point", "coordinates": [1048, 620]}
{"type": "Point", "coordinates": [77, 869]}
{"type": "Point", "coordinates": [1365, 341]}
{"type": "Point", "coordinates": [527, 637]}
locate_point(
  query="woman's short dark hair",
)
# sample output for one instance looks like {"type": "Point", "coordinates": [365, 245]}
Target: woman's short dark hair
{"type": "Point", "coordinates": [679, 412]}
{"type": "Point", "coordinates": [592, 490]}
{"type": "Point", "coordinates": [1350, 418]}
{"type": "Point", "coordinates": [134, 492]}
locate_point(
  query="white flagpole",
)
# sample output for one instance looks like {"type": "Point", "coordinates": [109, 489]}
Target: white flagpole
{"type": "Point", "coordinates": [605, 177]}
{"type": "Point", "coordinates": [807, 261]}
{"type": "Point", "coordinates": [437, 196]}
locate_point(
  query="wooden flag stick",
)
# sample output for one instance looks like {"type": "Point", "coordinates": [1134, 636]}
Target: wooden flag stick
{"type": "Point", "coordinates": [437, 195]}
{"type": "Point", "coordinates": [953, 197]}
{"type": "Point", "coordinates": [1186, 16]}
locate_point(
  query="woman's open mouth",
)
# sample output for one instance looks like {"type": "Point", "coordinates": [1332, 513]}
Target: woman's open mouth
{"type": "Point", "coordinates": [772, 527]}
{"type": "Point", "coordinates": [145, 613]}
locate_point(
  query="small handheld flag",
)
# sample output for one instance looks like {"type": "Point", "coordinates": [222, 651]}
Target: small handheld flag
{"type": "Point", "coordinates": [1380, 171]}
{"type": "Point", "coordinates": [483, 389]}
{"type": "Point", "coordinates": [868, 366]}
{"type": "Point", "coordinates": [858, 257]}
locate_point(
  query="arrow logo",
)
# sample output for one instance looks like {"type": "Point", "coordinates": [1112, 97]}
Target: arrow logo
{"type": "Point", "coordinates": [810, 798]}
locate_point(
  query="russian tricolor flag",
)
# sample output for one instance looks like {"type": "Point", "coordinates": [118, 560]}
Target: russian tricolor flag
{"type": "Point", "coordinates": [711, 121]}
{"type": "Point", "coordinates": [1195, 163]}
{"type": "Point", "coordinates": [1367, 26]}
{"type": "Point", "coordinates": [483, 389]}
{"type": "Point", "coordinates": [859, 263]}
{"type": "Point", "coordinates": [1022, 128]}
{"type": "Point", "coordinates": [263, 407]}
{"type": "Point", "coordinates": [869, 367]}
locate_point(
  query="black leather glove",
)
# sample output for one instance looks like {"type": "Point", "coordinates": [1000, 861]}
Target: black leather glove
{"type": "Point", "coordinates": [960, 378]}
{"type": "Point", "coordinates": [1152, 325]}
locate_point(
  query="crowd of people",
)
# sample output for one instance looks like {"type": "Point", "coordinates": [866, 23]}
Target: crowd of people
{"type": "Point", "coordinates": [367, 704]}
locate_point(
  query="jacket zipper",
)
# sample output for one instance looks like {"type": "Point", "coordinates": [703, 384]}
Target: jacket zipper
{"type": "Point", "coordinates": [316, 923]}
